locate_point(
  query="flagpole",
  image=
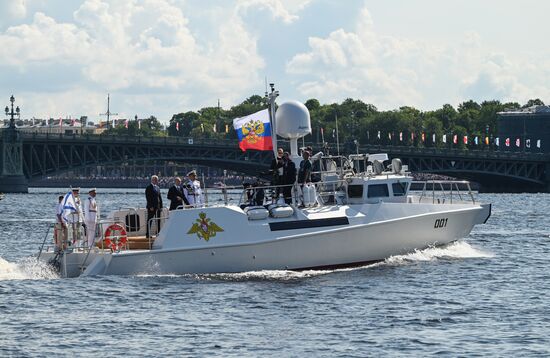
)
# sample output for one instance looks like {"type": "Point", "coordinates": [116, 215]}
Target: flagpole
{"type": "Point", "coordinates": [337, 138]}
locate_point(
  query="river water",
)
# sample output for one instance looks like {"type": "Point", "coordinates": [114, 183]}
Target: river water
{"type": "Point", "coordinates": [486, 295]}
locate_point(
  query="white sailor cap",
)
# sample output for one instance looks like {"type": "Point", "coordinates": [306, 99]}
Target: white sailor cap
{"type": "Point", "coordinates": [192, 172]}
{"type": "Point", "coordinates": [75, 189]}
{"type": "Point", "coordinates": [89, 191]}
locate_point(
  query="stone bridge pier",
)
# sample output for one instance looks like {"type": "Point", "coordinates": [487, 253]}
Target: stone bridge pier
{"type": "Point", "coordinates": [12, 179]}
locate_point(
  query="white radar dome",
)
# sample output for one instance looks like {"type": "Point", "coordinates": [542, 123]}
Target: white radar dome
{"type": "Point", "coordinates": [292, 120]}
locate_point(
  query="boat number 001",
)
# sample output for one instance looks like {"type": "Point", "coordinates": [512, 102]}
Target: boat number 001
{"type": "Point", "coordinates": [439, 223]}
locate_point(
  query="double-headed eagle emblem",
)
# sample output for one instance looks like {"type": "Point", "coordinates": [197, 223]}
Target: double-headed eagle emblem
{"type": "Point", "coordinates": [204, 228]}
{"type": "Point", "coordinates": [252, 130]}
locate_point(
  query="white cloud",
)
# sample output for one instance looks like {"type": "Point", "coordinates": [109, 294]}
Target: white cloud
{"type": "Point", "coordinates": [12, 10]}
{"type": "Point", "coordinates": [391, 71]}
{"type": "Point", "coordinates": [280, 9]}
{"type": "Point", "coordinates": [42, 40]}
{"type": "Point", "coordinates": [140, 46]}
{"type": "Point", "coordinates": [158, 57]}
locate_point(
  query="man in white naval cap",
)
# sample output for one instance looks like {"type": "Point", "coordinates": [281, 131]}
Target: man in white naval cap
{"type": "Point", "coordinates": [91, 216]}
{"type": "Point", "coordinates": [192, 189]}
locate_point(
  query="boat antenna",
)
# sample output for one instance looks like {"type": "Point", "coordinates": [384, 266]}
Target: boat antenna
{"type": "Point", "coordinates": [271, 97]}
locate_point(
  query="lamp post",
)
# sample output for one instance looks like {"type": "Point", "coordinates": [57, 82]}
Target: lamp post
{"type": "Point", "coordinates": [12, 113]}
{"type": "Point", "coordinates": [12, 179]}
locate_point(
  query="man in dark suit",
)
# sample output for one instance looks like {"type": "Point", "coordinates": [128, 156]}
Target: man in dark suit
{"type": "Point", "coordinates": [154, 203]}
{"type": "Point", "coordinates": [289, 177]}
{"type": "Point", "coordinates": [276, 169]}
{"type": "Point", "coordinates": [176, 196]}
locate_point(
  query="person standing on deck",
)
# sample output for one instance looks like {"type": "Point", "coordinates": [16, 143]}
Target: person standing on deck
{"type": "Point", "coordinates": [91, 214]}
{"type": "Point", "coordinates": [76, 219]}
{"type": "Point", "coordinates": [289, 177]}
{"type": "Point", "coordinates": [60, 231]}
{"type": "Point", "coordinates": [154, 204]}
{"type": "Point", "coordinates": [192, 190]}
{"type": "Point", "coordinates": [176, 196]}
{"type": "Point", "coordinates": [276, 169]}
{"type": "Point", "coordinates": [304, 173]}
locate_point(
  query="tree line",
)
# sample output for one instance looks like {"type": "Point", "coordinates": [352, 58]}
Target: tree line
{"type": "Point", "coordinates": [357, 121]}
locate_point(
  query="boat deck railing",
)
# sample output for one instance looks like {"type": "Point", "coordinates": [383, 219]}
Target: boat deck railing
{"type": "Point", "coordinates": [435, 191]}
{"type": "Point", "coordinates": [72, 238]}
{"type": "Point", "coordinates": [442, 191]}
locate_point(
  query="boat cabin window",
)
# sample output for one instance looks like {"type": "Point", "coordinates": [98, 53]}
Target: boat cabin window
{"type": "Point", "coordinates": [399, 189]}
{"type": "Point", "coordinates": [355, 191]}
{"type": "Point", "coordinates": [378, 190]}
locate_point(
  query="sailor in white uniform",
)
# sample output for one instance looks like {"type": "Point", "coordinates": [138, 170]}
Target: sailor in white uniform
{"type": "Point", "coordinates": [76, 218]}
{"type": "Point", "coordinates": [91, 216]}
{"type": "Point", "coordinates": [192, 190]}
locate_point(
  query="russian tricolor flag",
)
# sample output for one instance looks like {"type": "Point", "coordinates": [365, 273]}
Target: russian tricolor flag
{"type": "Point", "coordinates": [254, 131]}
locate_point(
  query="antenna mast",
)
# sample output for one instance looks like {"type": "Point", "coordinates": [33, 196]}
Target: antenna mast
{"type": "Point", "coordinates": [271, 97]}
{"type": "Point", "coordinates": [108, 113]}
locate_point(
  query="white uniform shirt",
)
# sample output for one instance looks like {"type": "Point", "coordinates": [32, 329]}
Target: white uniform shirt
{"type": "Point", "coordinates": [193, 195]}
{"type": "Point", "coordinates": [77, 216]}
{"type": "Point", "coordinates": [91, 210]}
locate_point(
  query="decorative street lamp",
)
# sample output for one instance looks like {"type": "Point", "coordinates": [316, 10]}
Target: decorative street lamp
{"type": "Point", "coordinates": [12, 113]}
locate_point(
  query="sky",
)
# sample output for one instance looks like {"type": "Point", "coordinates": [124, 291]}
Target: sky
{"type": "Point", "coordinates": [62, 58]}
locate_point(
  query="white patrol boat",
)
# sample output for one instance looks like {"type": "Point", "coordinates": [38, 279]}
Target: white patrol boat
{"type": "Point", "coordinates": [360, 211]}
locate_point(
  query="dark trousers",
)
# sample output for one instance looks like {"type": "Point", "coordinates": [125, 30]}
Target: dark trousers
{"type": "Point", "coordinates": [277, 180]}
{"type": "Point", "coordinates": [287, 193]}
{"type": "Point", "coordinates": [151, 214]}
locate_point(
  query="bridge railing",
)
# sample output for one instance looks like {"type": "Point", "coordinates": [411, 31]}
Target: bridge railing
{"type": "Point", "coordinates": [129, 139]}
{"type": "Point", "coordinates": [446, 152]}
{"type": "Point", "coordinates": [395, 150]}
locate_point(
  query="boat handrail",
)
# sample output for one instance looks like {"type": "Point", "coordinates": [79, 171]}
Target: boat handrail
{"type": "Point", "coordinates": [50, 225]}
{"type": "Point", "coordinates": [454, 189]}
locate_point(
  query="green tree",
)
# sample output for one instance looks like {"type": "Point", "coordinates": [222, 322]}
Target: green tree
{"type": "Point", "coordinates": [533, 102]}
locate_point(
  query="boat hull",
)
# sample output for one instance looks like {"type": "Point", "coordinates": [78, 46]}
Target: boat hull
{"type": "Point", "coordinates": [295, 250]}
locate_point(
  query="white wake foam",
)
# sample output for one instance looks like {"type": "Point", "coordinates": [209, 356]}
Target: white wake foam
{"type": "Point", "coordinates": [279, 275]}
{"type": "Point", "coordinates": [26, 269]}
{"type": "Point", "coordinates": [456, 250]}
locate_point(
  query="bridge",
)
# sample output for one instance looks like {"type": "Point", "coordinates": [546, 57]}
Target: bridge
{"type": "Point", "coordinates": [30, 156]}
